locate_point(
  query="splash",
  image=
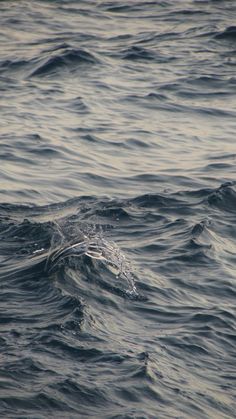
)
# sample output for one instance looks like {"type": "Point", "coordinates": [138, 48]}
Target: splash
{"type": "Point", "coordinates": [91, 243]}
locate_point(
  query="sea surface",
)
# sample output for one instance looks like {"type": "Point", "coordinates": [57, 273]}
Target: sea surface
{"type": "Point", "coordinates": [118, 209]}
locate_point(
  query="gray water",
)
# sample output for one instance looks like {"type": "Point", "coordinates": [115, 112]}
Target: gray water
{"type": "Point", "coordinates": [117, 209]}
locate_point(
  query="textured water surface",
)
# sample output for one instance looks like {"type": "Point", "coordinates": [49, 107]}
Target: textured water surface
{"type": "Point", "coordinates": [117, 209]}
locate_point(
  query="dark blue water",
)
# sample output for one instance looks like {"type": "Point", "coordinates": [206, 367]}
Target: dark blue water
{"type": "Point", "coordinates": [118, 209]}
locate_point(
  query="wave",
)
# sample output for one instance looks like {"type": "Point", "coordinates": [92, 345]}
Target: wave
{"type": "Point", "coordinates": [125, 7]}
{"type": "Point", "coordinates": [68, 57]}
{"type": "Point", "coordinates": [70, 238]}
{"type": "Point", "coordinates": [58, 244]}
{"type": "Point", "coordinates": [228, 34]}
{"type": "Point", "coordinates": [224, 197]}
{"type": "Point", "coordinates": [58, 58]}
{"type": "Point", "coordinates": [137, 53]}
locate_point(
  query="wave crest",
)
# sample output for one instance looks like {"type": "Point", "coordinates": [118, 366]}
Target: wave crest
{"type": "Point", "coordinates": [93, 245]}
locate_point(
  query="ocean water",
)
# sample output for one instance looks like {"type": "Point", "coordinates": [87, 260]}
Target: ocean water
{"type": "Point", "coordinates": [118, 209]}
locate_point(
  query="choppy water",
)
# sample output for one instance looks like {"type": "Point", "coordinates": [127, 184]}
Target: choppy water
{"type": "Point", "coordinates": [117, 209]}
